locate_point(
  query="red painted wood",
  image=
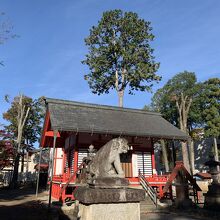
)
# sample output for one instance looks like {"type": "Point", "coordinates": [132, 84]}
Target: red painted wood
{"type": "Point", "coordinates": [51, 134]}
{"type": "Point", "coordinates": [76, 154]}
{"type": "Point", "coordinates": [45, 128]}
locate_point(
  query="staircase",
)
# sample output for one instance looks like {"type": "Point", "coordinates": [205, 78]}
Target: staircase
{"type": "Point", "coordinates": [71, 178]}
{"type": "Point", "coordinates": [152, 194]}
{"type": "Point", "coordinates": [147, 205]}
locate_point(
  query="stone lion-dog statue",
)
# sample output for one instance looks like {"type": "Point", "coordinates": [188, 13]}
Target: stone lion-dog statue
{"type": "Point", "coordinates": [106, 162]}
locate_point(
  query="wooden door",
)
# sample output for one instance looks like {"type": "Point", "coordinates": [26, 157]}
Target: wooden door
{"type": "Point", "coordinates": [126, 163]}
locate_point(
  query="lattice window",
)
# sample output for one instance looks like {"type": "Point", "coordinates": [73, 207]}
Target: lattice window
{"type": "Point", "coordinates": [82, 153]}
{"type": "Point", "coordinates": [144, 163]}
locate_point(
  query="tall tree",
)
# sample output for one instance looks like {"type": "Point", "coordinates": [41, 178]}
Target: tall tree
{"type": "Point", "coordinates": [175, 100]}
{"type": "Point", "coordinates": [24, 117]}
{"type": "Point", "coordinates": [120, 54]}
{"type": "Point", "coordinates": [211, 111]}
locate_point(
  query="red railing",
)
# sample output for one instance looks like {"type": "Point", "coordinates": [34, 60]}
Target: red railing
{"type": "Point", "coordinates": [58, 178]}
{"type": "Point", "coordinates": [156, 181]}
{"type": "Point", "coordinates": [71, 178]}
{"type": "Point", "coordinates": [157, 178]}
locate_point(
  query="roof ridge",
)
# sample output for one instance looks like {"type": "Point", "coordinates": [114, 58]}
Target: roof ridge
{"type": "Point", "coordinates": [99, 106]}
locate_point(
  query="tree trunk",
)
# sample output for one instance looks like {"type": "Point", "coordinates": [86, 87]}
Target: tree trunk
{"type": "Point", "coordinates": [215, 148]}
{"type": "Point", "coordinates": [120, 98]}
{"type": "Point", "coordinates": [22, 162]}
{"type": "Point", "coordinates": [185, 153]}
{"type": "Point", "coordinates": [21, 119]}
{"type": "Point", "coordinates": [192, 156]}
{"type": "Point", "coordinates": [27, 166]}
{"type": "Point", "coordinates": [164, 151]}
{"type": "Point", "coordinates": [14, 181]}
{"type": "Point", "coordinates": [173, 153]}
{"type": "Point", "coordinates": [183, 109]}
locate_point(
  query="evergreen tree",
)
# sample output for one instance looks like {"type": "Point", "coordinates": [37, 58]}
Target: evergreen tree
{"type": "Point", "coordinates": [120, 55]}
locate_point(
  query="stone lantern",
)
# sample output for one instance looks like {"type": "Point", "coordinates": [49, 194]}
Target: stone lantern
{"type": "Point", "coordinates": [212, 197]}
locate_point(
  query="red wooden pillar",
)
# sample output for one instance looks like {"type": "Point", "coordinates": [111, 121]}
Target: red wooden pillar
{"type": "Point", "coordinates": [75, 167]}
{"type": "Point", "coordinates": [154, 172]}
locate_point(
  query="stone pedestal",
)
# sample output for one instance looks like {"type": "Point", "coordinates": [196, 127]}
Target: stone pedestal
{"type": "Point", "coordinates": [109, 201]}
{"type": "Point", "coordinates": [112, 211]}
{"type": "Point", "coordinates": [182, 192]}
{"type": "Point", "coordinates": [212, 197]}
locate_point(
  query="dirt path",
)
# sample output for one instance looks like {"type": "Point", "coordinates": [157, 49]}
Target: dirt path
{"type": "Point", "coordinates": [23, 204]}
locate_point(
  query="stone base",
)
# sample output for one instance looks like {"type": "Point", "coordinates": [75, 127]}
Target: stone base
{"type": "Point", "coordinates": [212, 202]}
{"type": "Point", "coordinates": [212, 198]}
{"type": "Point", "coordinates": [109, 182]}
{"type": "Point", "coordinates": [87, 195]}
{"type": "Point", "coordinates": [116, 211]}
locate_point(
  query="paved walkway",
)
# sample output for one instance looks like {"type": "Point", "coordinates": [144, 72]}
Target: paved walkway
{"type": "Point", "coordinates": [167, 216]}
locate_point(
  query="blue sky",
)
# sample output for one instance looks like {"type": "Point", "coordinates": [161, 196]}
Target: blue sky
{"type": "Point", "coordinates": [45, 60]}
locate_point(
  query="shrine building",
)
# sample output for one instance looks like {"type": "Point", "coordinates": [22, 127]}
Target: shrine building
{"type": "Point", "coordinates": [71, 127]}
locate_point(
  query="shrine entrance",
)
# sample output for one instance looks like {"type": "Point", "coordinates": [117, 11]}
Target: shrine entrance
{"type": "Point", "coordinates": [126, 163]}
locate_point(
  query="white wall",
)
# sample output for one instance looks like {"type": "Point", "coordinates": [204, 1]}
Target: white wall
{"type": "Point", "coordinates": [59, 162]}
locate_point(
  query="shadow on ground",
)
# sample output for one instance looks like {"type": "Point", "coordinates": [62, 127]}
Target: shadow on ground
{"type": "Point", "coordinates": [23, 204]}
{"type": "Point", "coordinates": [194, 213]}
{"type": "Point", "coordinates": [33, 210]}
{"type": "Point", "coordinates": [15, 194]}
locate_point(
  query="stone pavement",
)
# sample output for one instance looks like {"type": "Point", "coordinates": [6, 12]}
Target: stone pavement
{"type": "Point", "coordinates": [167, 216]}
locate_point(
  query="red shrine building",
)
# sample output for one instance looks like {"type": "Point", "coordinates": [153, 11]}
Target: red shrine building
{"type": "Point", "coordinates": [71, 127]}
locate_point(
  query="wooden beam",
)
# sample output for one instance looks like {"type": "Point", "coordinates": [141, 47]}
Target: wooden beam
{"type": "Point", "coordinates": [46, 125]}
{"type": "Point", "coordinates": [51, 134]}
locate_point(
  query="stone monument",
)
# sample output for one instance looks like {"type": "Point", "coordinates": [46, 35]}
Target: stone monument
{"type": "Point", "coordinates": [212, 197]}
{"type": "Point", "coordinates": [182, 189]}
{"type": "Point", "coordinates": [107, 196]}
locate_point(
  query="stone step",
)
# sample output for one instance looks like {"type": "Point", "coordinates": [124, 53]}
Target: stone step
{"type": "Point", "coordinates": [147, 206]}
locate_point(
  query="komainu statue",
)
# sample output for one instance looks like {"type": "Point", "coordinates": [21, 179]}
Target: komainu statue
{"type": "Point", "coordinates": [106, 162]}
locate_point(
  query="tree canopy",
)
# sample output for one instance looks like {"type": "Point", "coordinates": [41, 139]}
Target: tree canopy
{"type": "Point", "coordinates": [166, 99]}
{"type": "Point", "coordinates": [32, 127]}
{"type": "Point", "coordinates": [120, 54]}
{"type": "Point", "coordinates": [211, 94]}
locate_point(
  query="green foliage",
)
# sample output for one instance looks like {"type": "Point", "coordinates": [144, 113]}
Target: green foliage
{"type": "Point", "coordinates": [211, 94]}
{"type": "Point", "coordinates": [33, 123]}
{"type": "Point", "coordinates": [147, 108]}
{"type": "Point", "coordinates": [120, 54]}
{"type": "Point", "coordinates": [161, 102]}
{"type": "Point", "coordinates": [164, 100]}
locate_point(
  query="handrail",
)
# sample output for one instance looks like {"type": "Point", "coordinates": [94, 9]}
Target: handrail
{"type": "Point", "coordinates": [149, 189]}
{"type": "Point", "coordinates": [71, 177]}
